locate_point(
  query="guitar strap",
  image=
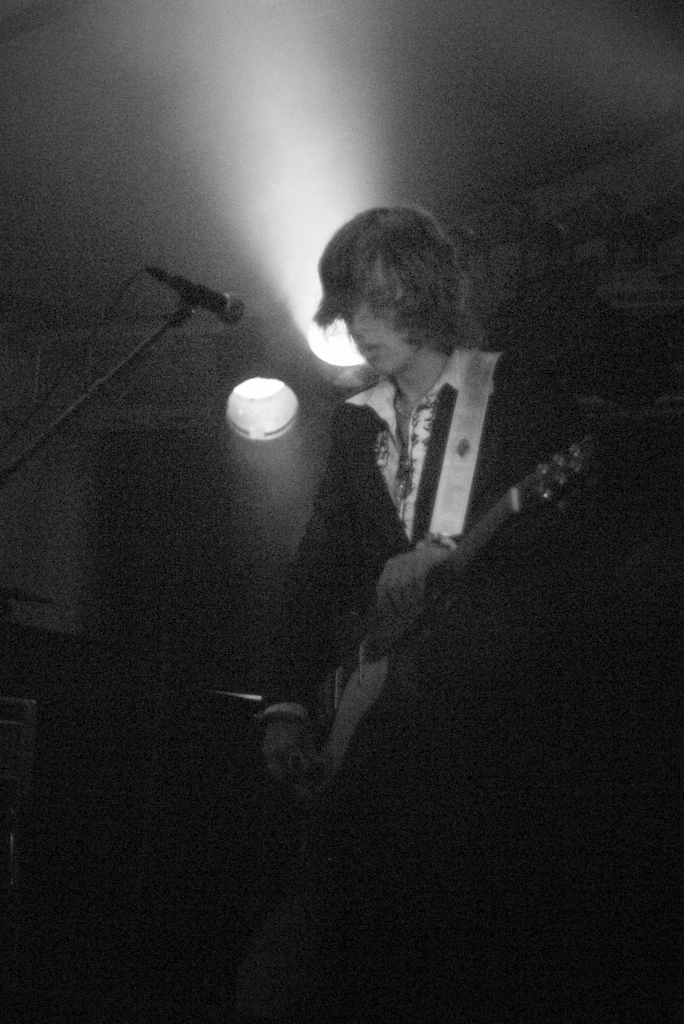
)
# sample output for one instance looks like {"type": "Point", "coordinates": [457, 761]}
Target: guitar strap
{"type": "Point", "coordinates": [463, 443]}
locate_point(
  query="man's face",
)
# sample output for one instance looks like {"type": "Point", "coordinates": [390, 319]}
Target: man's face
{"type": "Point", "coordinates": [382, 345]}
{"type": "Point", "coordinates": [371, 327]}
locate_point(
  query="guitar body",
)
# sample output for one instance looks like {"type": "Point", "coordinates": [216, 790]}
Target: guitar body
{"type": "Point", "coordinates": [361, 692]}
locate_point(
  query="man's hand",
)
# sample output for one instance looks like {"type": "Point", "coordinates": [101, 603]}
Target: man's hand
{"type": "Point", "coordinates": [292, 758]}
{"type": "Point", "coordinates": [401, 588]}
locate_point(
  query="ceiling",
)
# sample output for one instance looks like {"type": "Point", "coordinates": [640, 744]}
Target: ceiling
{"type": "Point", "coordinates": [225, 141]}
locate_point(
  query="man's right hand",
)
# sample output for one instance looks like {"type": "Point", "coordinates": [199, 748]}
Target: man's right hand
{"type": "Point", "coordinates": [292, 758]}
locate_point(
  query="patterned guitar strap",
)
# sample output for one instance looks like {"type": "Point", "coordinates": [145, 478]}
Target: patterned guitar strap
{"type": "Point", "coordinates": [463, 444]}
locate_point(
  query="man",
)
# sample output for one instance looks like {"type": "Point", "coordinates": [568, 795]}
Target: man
{"type": "Point", "coordinates": [393, 276]}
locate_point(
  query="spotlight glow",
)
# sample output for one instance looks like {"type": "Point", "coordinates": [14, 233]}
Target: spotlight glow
{"type": "Point", "coordinates": [282, 112]}
{"type": "Point", "coordinates": [281, 118]}
{"type": "Point", "coordinates": [334, 345]}
{"type": "Point", "coordinates": [261, 408]}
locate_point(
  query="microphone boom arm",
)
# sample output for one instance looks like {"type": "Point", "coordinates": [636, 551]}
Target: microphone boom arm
{"type": "Point", "coordinates": [178, 317]}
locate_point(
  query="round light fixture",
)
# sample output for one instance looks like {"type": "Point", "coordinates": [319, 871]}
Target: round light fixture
{"type": "Point", "coordinates": [261, 408]}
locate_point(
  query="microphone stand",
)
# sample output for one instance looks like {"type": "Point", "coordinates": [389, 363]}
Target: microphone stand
{"type": "Point", "coordinates": [180, 315]}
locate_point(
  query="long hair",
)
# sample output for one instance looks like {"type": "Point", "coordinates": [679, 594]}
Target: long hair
{"type": "Point", "coordinates": [421, 287]}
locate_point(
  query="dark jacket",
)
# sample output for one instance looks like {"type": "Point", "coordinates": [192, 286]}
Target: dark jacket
{"type": "Point", "coordinates": [354, 528]}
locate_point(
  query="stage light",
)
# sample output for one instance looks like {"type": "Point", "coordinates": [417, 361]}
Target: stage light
{"type": "Point", "coordinates": [334, 345]}
{"type": "Point", "coordinates": [261, 408]}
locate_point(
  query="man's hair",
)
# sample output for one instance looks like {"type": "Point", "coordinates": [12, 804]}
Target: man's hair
{"type": "Point", "coordinates": [420, 288]}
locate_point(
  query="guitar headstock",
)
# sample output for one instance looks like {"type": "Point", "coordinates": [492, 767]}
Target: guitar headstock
{"type": "Point", "coordinates": [552, 479]}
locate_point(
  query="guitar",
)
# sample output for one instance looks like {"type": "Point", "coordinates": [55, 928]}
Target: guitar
{"type": "Point", "coordinates": [352, 689]}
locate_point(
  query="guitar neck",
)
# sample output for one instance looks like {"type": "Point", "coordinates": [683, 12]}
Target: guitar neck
{"type": "Point", "coordinates": [542, 485]}
{"type": "Point", "coordinates": [482, 532]}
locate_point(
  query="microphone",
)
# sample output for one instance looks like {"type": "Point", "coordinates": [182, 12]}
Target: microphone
{"type": "Point", "coordinates": [226, 307]}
